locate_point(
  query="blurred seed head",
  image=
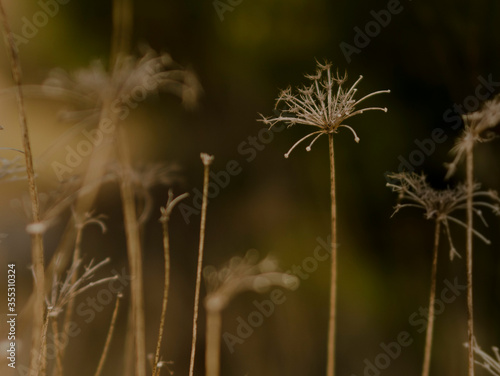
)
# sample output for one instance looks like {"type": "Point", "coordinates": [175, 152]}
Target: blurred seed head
{"type": "Point", "coordinates": [243, 274]}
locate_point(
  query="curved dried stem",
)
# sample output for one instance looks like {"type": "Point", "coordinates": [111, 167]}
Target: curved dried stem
{"type": "Point", "coordinates": [166, 253]}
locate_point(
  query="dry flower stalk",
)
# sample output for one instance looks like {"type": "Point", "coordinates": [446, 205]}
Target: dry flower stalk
{"type": "Point", "coordinates": [325, 105]}
{"type": "Point", "coordinates": [478, 128]}
{"type": "Point", "coordinates": [207, 160]}
{"type": "Point", "coordinates": [240, 275]}
{"type": "Point", "coordinates": [438, 205]}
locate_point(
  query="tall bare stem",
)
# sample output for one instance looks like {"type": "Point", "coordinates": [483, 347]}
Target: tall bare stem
{"type": "Point", "coordinates": [37, 256]}
{"type": "Point", "coordinates": [212, 350]}
{"type": "Point", "coordinates": [333, 286]}
{"type": "Point", "coordinates": [134, 253]}
{"type": "Point", "coordinates": [470, 234]}
{"type": "Point", "coordinates": [166, 252]}
{"type": "Point", "coordinates": [432, 298]}
{"type": "Point", "coordinates": [207, 161]}
{"type": "Point", "coordinates": [109, 336]}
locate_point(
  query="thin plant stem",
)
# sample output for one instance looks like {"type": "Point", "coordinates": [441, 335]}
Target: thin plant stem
{"type": "Point", "coordinates": [333, 287]}
{"type": "Point", "coordinates": [55, 331]}
{"type": "Point", "coordinates": [166, 252]}
{"type": "Point", "coordinates": [470, 234]}
{"type": "Point", "coordinates": [432, 298]}
{"type": "Point", "coordinates": [212, 347]}
{"type": "Point", "coordinates": [37, 256]}
{"type": "Point", "coordinates": [42, 353]}
{"type": "Point", "coordinates": [207, 160]}
{"type": "Point", "coordinates": [70, 307]}
{"type": "Point", "coordinates": [109, 336]}
{"type": "Point", "coordinates": [134, 253]}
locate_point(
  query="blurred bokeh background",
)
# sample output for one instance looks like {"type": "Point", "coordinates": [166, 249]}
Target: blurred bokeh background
{"type": "Point", "coordinates": [436, 57]}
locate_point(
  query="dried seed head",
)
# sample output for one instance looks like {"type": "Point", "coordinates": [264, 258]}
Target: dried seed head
{"type": "Point", "coordinates": [479, 127]}
{"type": "Point", "coordinates": [414, 191]}
{"type": "Point", "coordinates": [206, 159]}
{"type": "Point", "coordinates": [131, 82]}
{"type": "Point", "coordinates": [324, 104]}
{"type": "Point", "coordinates": [240, 275]}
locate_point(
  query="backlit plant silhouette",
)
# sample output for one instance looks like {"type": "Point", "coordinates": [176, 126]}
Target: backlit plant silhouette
{"type": "Point", "coordinates": [325, 105]}
{"type": "Point", "coordinates": [415, 192]}
{"type": "Point", "coordinates": [478, 128]}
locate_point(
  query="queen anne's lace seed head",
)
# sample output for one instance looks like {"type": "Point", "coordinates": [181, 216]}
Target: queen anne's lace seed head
{"type": "Point", "coordinates": [131, 81]}
{"type": "Point", "coordinates": [479, 127]}
{"type": "Point", "coordinates": [414, 191]}
{"type": "Point", "coordinates": [324, 104]}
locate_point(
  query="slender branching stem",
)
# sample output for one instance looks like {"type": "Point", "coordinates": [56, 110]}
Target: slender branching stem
{"type": "Point", "coordinates": [37, 257]}
{"type": "Point", "coordinates": [207, 161]}
{"type": "Point", "coordinates": [432, 298]}
{"type": "Point", "coordinates": [71, 303]}
{"type": "Point", "coordinates": [134, 253]}
{"type": "Point", "coordinates": [333, 287]}
{"type": "Point", "coordinates": [109, 336]}
{"type": "Point", "coordinates": [212, 348]}
{"type": "Point", "coordinates": [470, 234]}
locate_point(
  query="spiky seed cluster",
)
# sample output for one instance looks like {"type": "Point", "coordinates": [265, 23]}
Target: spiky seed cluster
{"type": "Point", "coordinates": [243, 274]}
{"type": "Point", "coordinates": [488, 362]}
{"type": "Point", "coordinates": [131, 82]}
{"type": "Point", "coordinates": [415, 191]}
{"type": "Point", "coordinates": [324, 104]}
{"type": "Point", "coordinates": [64, 291]}
{"type": "Point", "coordinates": [478, 128]}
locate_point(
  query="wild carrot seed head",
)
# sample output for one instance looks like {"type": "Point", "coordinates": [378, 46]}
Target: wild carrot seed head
{"type": "Point", "coordinates": [323, 104]}
{"type": "Point", "coordinates": [414, 191]}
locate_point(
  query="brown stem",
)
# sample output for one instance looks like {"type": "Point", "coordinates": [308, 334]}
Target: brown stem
{"type": "Point", "coordinates": [432, 298]}
{"type": "Point", "coordinates": [333, 286]}
{"type": "Point", "coordinates": [134, 253]}
{"type": "Point", "coordinates": [109, 337]}
{"type": "Point", "coordinates": [37, 256]}
{"type": "Point", "coordinates": [212, 348]}
{"type": "Point", "coordinates": [166, 252]}
{"type": "Point", "coordinates": [470, 234]}
{"type": "Point", "coordinates": [207, 160]}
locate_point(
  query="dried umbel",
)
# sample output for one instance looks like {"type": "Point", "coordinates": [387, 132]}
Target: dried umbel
{"type": "Point", "coordinates": [65, 291]}
{"type": "Point", "coordinates": [414, 191]}
{"type": "Point", "coordinates": [324, 104]}
{"type": "Point", "coordinates": [479, 127]}
{"type": "Point", "coordinates": [131, 82]}
{"type": "Point", "coordinates": [243, 274]}
{"type": "Point", "coordinates": [488, 362]}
